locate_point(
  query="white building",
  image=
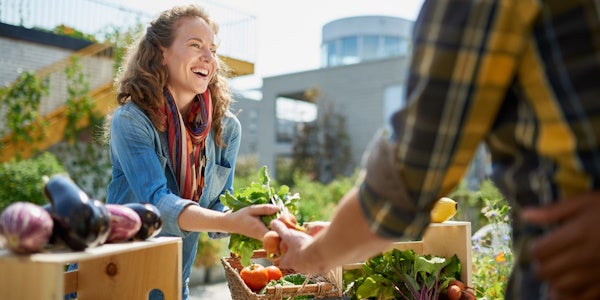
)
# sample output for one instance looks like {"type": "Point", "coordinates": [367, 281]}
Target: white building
{"type": "Point", "coordinates": [362, 76]}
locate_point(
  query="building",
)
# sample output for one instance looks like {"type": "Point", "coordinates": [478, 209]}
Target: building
{"type": "Point", "coordinates": [362, 78]}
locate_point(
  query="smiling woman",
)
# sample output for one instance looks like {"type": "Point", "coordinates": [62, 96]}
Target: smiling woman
{"type": "Point", "coordinates": [173, 140]}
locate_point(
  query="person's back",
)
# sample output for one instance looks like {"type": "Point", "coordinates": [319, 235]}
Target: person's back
{"type": "Point", "coordinates": [519, 75]}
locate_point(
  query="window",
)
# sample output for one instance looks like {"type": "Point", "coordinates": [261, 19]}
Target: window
{"type": "Point", "coordinates": [349, 50]}
{"type": "Point", "coordinates": [394, 98]}
{"type": "Point", "coordinates": [370, 47]}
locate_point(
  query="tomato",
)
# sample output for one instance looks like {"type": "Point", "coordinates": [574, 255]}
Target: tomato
{"type": "Point", "coordinates": [255, 276]}
{"type": "Point", "coordinates": [271, 242]}
{"type": "Point", "coordinates": [274, 272]}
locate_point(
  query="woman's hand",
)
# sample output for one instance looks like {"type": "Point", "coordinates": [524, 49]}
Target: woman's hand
{"type": "Point", "coordinates": [568, 257]}
{"type": "Point", "coordinates": [246, 221]}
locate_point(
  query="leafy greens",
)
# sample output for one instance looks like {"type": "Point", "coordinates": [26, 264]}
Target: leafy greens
{"type": "Point", "coordinates": [256, 193]}
{"type": "Point", "coordinates": [402, 275]}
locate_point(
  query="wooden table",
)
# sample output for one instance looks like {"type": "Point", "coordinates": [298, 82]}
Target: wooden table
{"type": "Point", "coordinates": [127, 270]}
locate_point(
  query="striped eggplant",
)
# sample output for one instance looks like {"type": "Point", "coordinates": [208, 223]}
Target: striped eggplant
{"type": "Point", "coordinates": [124, 223]}
{"type": "Point", "coordinates": [151, 220]}
{"type": "Point", "coordinates": [25, 227]}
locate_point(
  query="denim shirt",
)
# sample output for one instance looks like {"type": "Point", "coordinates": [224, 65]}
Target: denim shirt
{"type": "Point", "coordinates": [142, 172]}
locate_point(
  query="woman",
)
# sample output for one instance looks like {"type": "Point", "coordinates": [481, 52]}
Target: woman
{"type": "Point", "coordinates": [173, 140]}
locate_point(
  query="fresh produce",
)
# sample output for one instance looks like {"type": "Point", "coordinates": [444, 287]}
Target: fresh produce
{"type": "Point", "coordinates": [124, 223]}
{"type": "Point", "coordinates": [255, 276]}
{"type": "Point", "coordinates": [402, 275]}
{"type": "Point", "coordinates": [26, 227]}
{"type": "Point", "coordinates": [457, 290]}
{"type": "Point", "coordinates": [271, 243]}
{"type": "Point", "coordinates": [150, 217]}
{"type": "Point", "coordinates": [54, 236]}
{"type": "Point", "coordinates": [260, 193]}
{"type": "Point", "coordinates": [274, 272]}
{"type": "Point", "coordinates": [289, 280]}
{"type": "Point", "coordinates": [81, 222]}
{"type": "Point", "coordinates": [443, 210]}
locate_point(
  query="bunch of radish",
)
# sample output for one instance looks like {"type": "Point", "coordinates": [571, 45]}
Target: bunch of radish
{"type": "Point", "coordinates": [457, 290]}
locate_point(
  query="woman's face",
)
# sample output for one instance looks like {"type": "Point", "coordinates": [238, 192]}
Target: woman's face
{"type": "Point", "coordinates": [191, 59]}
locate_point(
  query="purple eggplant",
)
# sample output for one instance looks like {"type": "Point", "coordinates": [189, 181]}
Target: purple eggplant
{"type": "Point", "coordinates": [151, 220]}
{"type": "Point", "coordinates": [26, 227]}
{"type": "Point", "coordinates": [124, 223]}
{"type": "Point", "coordinates": [81, 222]}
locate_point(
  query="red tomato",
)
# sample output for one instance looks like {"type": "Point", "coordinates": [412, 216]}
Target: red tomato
{"type": "Point", "coordinates": [274, 272]}
{"type": "Point", "coordinates": [255, 276]}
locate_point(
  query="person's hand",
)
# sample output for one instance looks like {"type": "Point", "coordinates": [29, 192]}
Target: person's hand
{"type": "Point", "coordinates": [246, 221]}
{"type": "Point", "coordinates": [568, 257]}
{"type": "Point", "coordinates": [314, 227]}
{"type": "Point", "coordinates": [293, 243]}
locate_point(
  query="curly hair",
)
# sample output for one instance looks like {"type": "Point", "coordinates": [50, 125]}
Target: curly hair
{"type": "Point", "coordinates": [143, 77]}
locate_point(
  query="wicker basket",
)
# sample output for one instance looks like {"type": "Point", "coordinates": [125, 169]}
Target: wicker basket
{"type": "Point", "coordinates": [324, 287]}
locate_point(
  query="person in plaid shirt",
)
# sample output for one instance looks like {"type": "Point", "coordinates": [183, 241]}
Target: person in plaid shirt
{"type": "Point", "coordinates": [521, 76]}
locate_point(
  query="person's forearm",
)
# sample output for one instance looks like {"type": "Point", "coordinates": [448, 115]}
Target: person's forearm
{"type": "Point", "coordinates": [347, 240]}
{"type": "Point", "coordinates": [196, 218]}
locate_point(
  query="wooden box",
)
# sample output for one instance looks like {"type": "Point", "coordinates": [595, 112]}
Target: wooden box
{"type": "Point", "coordinates": [127, 270]}
{"type": "Point", "coordinates": [442, 239]}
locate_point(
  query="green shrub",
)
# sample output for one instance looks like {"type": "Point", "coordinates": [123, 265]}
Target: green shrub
{"type": "Point", "coordinates": [22, 180]}
{"type": "Point", "coordinates": [317, 200]}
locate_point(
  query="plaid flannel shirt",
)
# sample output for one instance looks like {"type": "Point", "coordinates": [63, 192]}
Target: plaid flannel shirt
{"type": "Point", "coordinates": [522, 76]}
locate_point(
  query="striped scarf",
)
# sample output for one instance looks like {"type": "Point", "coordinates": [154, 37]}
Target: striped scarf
{"type": "Point", "coordinates": [186, 142]}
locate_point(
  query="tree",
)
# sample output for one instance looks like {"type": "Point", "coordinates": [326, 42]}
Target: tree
{"type": "Point", "coordinates": [322, 148]}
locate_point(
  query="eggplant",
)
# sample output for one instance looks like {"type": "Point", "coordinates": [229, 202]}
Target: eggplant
{"type": "Point", "coordinates": [151, 220]}
{"type": "Point", "coordinates": [81, 222]}
{"type": "Point", "coordinates": [25, 227]}
{"type": "Point", "coordinates": [124, 223]}
{"type": "Point", "coordinates": [54, 239]}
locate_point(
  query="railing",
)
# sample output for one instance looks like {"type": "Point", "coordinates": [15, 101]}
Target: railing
{"type": "Point", "coordinates": [97, 64]}
{"type": "Point", "coordinates": [95, 17]}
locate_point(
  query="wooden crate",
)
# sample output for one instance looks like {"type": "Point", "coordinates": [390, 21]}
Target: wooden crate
{"type": "Point", "coordinates": [442, 239]}
{"type": "Point", "coordinates": [127, 270]}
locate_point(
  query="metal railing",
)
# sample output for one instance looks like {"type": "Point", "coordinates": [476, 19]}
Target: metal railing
{"type": "Point", "coordinates": [94, 17]}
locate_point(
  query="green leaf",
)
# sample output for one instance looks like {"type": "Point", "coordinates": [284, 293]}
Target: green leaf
{"type": "Point", "coordinates": [376, 286]}
{"type": "Point", "coordinates": [255, 193]}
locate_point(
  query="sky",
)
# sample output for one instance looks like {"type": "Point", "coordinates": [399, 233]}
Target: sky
{"type": "Point", "coordinates": [288, 32]}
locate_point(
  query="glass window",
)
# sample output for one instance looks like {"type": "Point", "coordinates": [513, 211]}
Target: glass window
{"type": "Point", "coordinates": [391, 46]}
{"type": "Point", "coordinates": [394, 98]}
{"type": "Point", "coordinates": [332, 55]}
{"type": "Point", "coordinates": [349, 50]}
{"type": "Point", "coordinates": [370, 47]}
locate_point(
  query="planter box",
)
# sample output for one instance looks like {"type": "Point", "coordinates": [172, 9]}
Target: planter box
{"type": "Point", "coordinates": [127, 270]}
{"type": "Point", "coordinates": [442, 239]}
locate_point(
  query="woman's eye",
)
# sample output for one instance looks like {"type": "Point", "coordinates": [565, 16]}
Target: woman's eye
{"type": "Point", "coordinates": [196, 45]}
